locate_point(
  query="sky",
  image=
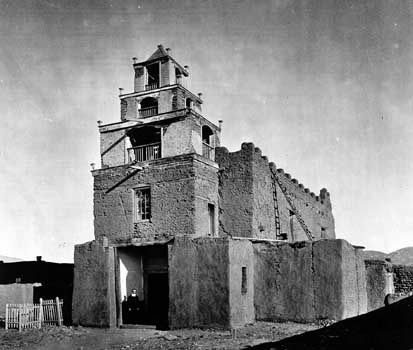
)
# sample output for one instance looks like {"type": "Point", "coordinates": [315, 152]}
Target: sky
{"type": "Point", "coordinates": [323, 88]}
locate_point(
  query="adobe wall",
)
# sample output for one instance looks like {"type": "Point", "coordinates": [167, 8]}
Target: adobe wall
{"type": "Point", "coordinates": [15, 293]}
{"type": "Point", "coordinates": [128, 108]}
{"type": "Point", "coordinates": [241, 298]}
{"type": "Point", "coordinates": [235, 192]}
{"type": "Point", "coordinates": [113, 148]}
{"type": "Point", "coordinates": [198, 283]}
{"type": "Point", "coordinates": [94, 301]}
{"type": "Point", "coordinates": [339, 280]}
{"type": "Point", "coordinates": [283, 281]}
{"type": "Point", "coordinates": [178, 137]}
{"type": "Point", "coordinates": [403, 278]}
{"type": "Point", "coordinates": [174, 189]}
{"type": "Point", "coordinates": [376, 283]}
{"type": "Point", "coordinates": [305, 281]}
{"type": "Point", "coordinates": [315, 210]}
{"type": "Point", "coordinates": [247, 205]}
{"type": "Point", "coordinates": [206, 192]}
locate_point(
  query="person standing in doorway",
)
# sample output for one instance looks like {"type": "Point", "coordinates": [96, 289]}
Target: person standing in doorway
{"type": "Point", "coordinates": [134, 305]}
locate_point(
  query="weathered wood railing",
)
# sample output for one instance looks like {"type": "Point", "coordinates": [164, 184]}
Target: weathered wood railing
{"type": "Point", "coordinates": [145, 152]}
{"type": "Point", "coordinates": [208, 151]}
{"type": "Point", "coordinates": [22, 316]}
{"type": "Point", "coordinates": [148, 111]}
{"type": "Point", "coordinates": [152, 86]}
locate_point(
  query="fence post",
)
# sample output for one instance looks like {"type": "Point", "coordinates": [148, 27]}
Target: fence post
{"type": "Point", "coordinates": [40, 312]}
{"type": "Point", "coordinates": [7, 316]}
{"type": "Point", "coordinates": [59, 320]}
{"type": "Point", "coordinates": [20, 318]}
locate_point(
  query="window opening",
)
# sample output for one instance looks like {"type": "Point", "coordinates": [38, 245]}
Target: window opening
{"type": "Point", "coordinates": [323, 232]}
{"type": "Point", "coordinates": [211, 214]}
{"type": "Point", "coordinates": [143, 204]}
{"type": "Point", "coordinates": [153, 76]}
{"type": "Point", "coordinates": [207, 142]}
{"type": "Point", "coordinates": [146, 144]}
{"type": "Point", "coordinates": [178, 76]}
{"type": "Point", "coordinates": [292, 214]}
{"type": "Point", "coordinates": [244, 280]}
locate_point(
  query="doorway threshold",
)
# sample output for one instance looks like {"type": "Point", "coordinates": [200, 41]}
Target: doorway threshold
{"type": "Point", "coordinates": [138, 326]}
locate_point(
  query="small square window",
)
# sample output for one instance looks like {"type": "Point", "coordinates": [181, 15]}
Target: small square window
{"type": "Point", "coordinates": [142, 204]}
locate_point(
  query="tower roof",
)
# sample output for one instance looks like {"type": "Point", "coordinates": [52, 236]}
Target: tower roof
{"type": "Point", "coordinates": [160, 52]}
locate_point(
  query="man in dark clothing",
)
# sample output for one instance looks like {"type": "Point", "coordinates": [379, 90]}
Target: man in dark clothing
{"type": "Point", "coordinates": [134, 306]}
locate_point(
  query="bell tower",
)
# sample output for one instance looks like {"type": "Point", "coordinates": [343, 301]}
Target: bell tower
{"type": "Point", "coordinates": [160, 118]}
{"type": "Point", "coordinates": [158, 176]}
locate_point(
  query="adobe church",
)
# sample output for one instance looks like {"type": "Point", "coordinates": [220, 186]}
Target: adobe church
{"type": "Point", "coordinates": [207, 237]}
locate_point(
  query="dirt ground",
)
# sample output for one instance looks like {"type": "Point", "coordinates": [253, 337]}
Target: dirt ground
{"type": "Point", "coordinates": [70, 338]}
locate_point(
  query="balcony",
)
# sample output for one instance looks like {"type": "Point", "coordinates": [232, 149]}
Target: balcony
{"type": "Point", "coordinates": [145, 152]}
{"type": "Point", "coordinates": [148, 112]}
{"type": "Point", "coordinates": [152, 86]}
{"type": "Point", "coordinates": [208, 151]}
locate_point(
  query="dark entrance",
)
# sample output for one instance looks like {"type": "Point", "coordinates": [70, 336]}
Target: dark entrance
{"type": "Point", "coordinates": [143, 270]}
{"type": "Point", "coordinates": [158, 297]}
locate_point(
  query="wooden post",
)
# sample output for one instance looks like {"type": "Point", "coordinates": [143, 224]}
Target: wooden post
{"type": "Point", "coordinates": [7, 316]}
{"type": "Point", "coordinates": [41, 312]}
{"type": "Point", "coordinates": [118, 293]}
{"type": "Point", "coordinates": [20, 318]}
{"type": "Point", "coordinates": [59, 319]}
{"type": "Point", "coordinates": [161, 155]}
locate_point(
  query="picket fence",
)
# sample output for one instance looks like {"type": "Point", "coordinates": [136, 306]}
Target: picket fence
{"type": "Point", "coordinates": [21, 316]}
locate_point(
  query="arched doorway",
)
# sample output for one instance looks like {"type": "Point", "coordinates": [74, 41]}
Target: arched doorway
{"type": "Point", "coordinates": [149, 107]}
{"type": "Point", "coordinates": [208, 142]}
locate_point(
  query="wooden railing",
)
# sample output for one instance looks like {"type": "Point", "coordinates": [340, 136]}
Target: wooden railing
{"type": "Point", "coordinates": [21, 316]}
{"type": "Point", "coordinates": [152, 86]}
{"type": "Point", "coordinates": [208, 151]}
{"type": "Point", "coordinates": [145, 152]}
{"type": "Point", "coordinates": [148, 112]}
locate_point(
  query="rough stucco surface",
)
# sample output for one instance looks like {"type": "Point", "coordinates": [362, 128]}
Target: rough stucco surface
{"type": "Point", "coordinates": [376, 283]}
{"type": "Point", "coordinates": [316, 211]}
{"type": "Point", "coordinates": [304, 281]}
{"type": "Point", "coordinates": [403, 278]}
{"type": "Point", "coordinates": [328, 280]}
{"type": "Point", "coordinates": [235, 192]}
{"type": "Point", "coordinates": [15, 293]}
{"type": "Point", "coordinates": [93, 286]}
{"type": "Point", "coordinates": [241, 301]}
{"type": "Point", "coordinates": [198, 283]}
{"type": "Point", "coordinates": [174, 186]}
{"type": "Point", "coordinates": [263, 219]}
{"type": "Point", "coordinates": [283, 285]}
{"type": "Point", "coordinates": [112, 148]}
{"type": "Point", "coordinates": [247, 198]}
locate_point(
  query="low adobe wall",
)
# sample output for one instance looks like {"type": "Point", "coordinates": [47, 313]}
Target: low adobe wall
{"type": "Point", "coordinates": [305, 281]}
{"type": "Point", "coordinates": [198, 283]}
{"type": "Point", "coordinates": [206, 283]}
{"type": "Point", "coordinates": [376, 271]}
{"type": "Point", "coordinates": [94, 302]}
{"type": "Point", "coordinates": [15, 293]}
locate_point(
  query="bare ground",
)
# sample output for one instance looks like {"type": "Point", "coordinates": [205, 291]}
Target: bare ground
{"type": "Point", "coordinates": [70, 338]}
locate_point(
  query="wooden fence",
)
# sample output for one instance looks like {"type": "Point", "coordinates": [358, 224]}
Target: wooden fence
{"type": "Point", "coordinates": [47, 312]}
